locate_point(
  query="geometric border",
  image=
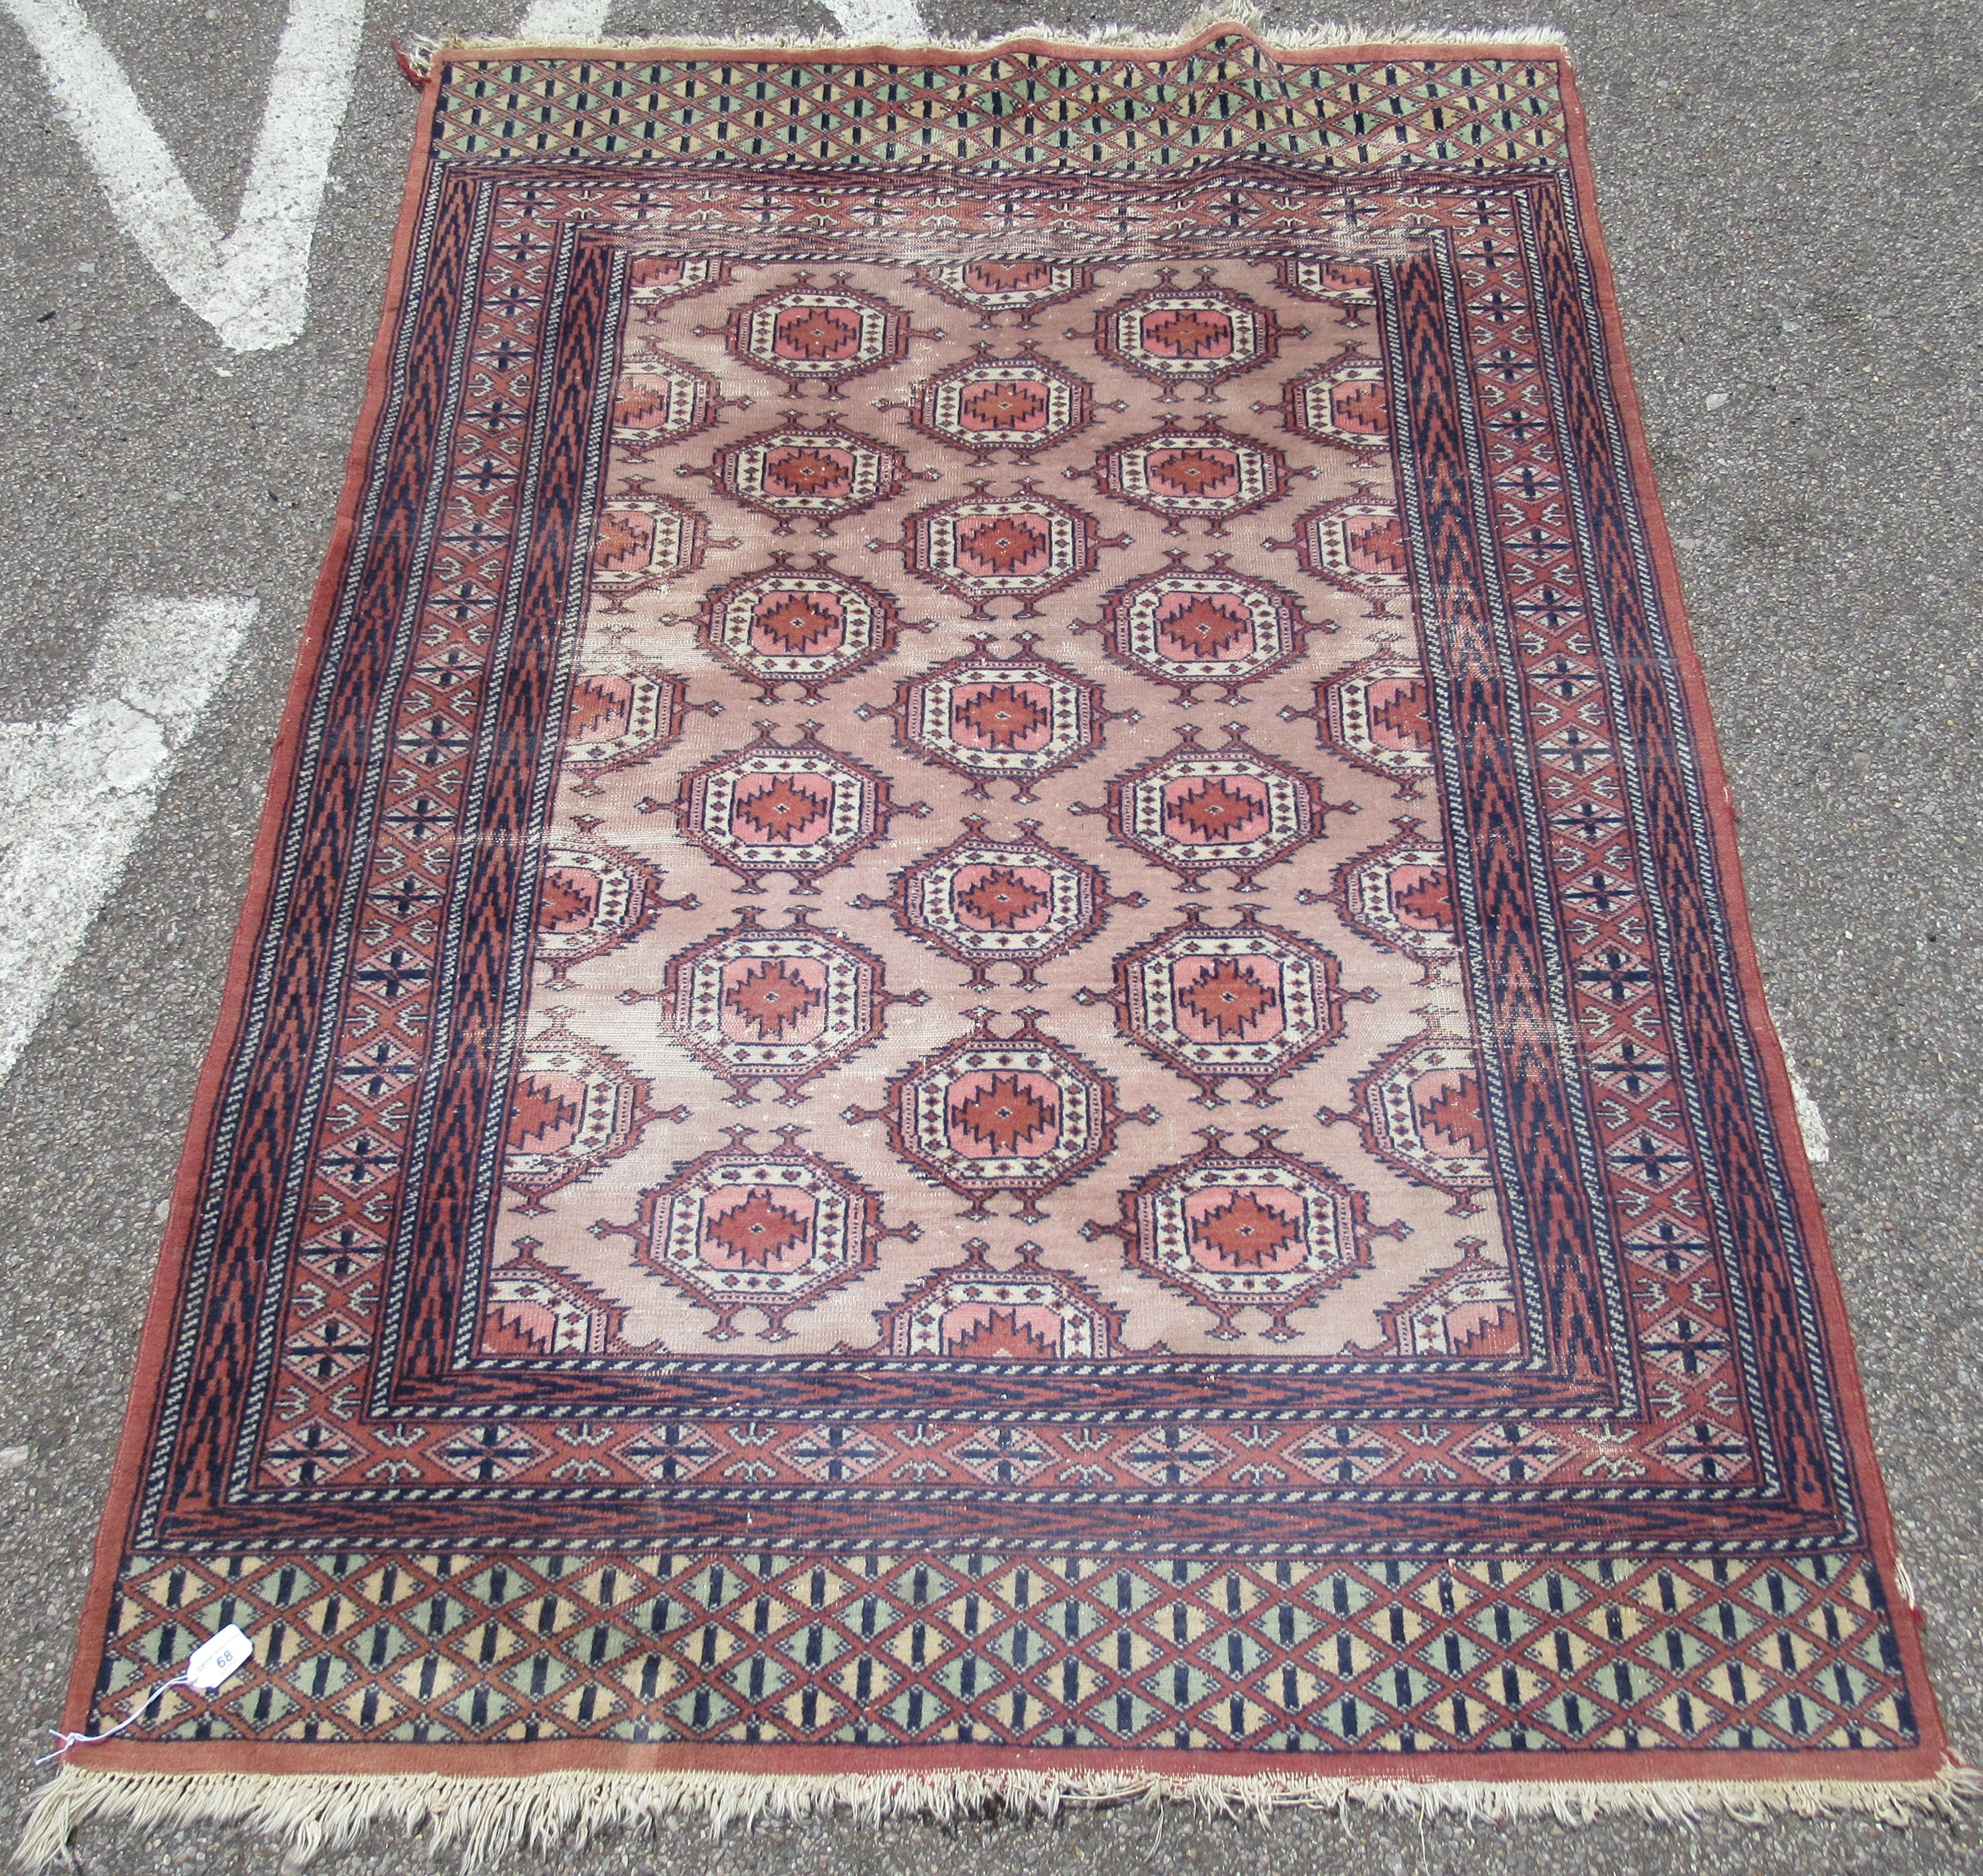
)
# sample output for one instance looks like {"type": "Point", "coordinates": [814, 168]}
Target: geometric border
{"type": "Point", "coordinates": [1358, 1658]}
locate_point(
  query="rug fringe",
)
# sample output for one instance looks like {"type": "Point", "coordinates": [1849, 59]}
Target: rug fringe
{"type": "Point", "coordinates": [485, 1818]}
{"type": "Point", "coordinates": [1241, 15]}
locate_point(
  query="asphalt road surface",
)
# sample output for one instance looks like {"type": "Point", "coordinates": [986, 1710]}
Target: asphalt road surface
{"type": "Point", "coordinates": [1797, 271]}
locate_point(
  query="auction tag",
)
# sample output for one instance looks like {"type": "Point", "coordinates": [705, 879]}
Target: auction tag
{"type": "Point", "coordinates": [217, 1657]}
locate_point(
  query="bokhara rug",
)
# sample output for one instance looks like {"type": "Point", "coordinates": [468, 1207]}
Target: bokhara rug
{"type": "Point", "coordinates": [995, 1040]}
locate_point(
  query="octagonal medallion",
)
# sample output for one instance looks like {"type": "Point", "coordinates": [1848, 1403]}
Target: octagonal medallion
{"type": "Point", "coordinates": [659, 400]}
{"type": "Point", "coordinates": [1399, 896]}
{"type": "Point", "coordinates": [1194, 811]}
{"type": "Point", "coordinates": [1342, 401]}
{"type": "Point", "coordinates": [806, 626]}
{"type": "Point", "coordinates": [1020, 1114]}
{"type": "Point", "coordinates": [657, 279]}
{"type": "Point", "coordinates": [1234, 1230]}
{"type": "Point", "coordinates": [800, 472]}
{"type": "Point", "coordinates": [619, 714]}
{"type": "Point", "coordinates": [819, 335]}
{"type": "Point", "coordinates": [642, 542]}
{"type": "Point", "coordinates": [1025, 286]}
{"type": "Point", "coordinates": [1208, 474]}
{"type": "Point", "coordinates": [1018, 718]}
{"type": "Point", "coordinates": [1179, 336]}
{"type": "Point", "coordinates": [978, 548]}
{"type": "Point", "coordinates": [736, 1230]}
{"type": "Point", "coordinates": [1185, 629]}
{"type": "Point", "coordinates": [975, 1311]}
{"type": "Point", "coordinates": [1356, 543]}
{"type": "Point", "coordinates": [1378, 714]}
{"type": "Point", "coordinates": [532, 1308]}
{"type": "Point", "coordinates": [797, 809]}
{"type": "Point", "coordinates": [989, 406]}
{"type": "Point", "coordinates": [984, 901]}
{"type": "Point", "coordinates": [783, 1005]}
{"type": "Point", "coordinates": [592, 898]}
{"type": "Point", "coordinates": [1333, 280]}
{"type": "Point", "coordinates": [1418, 1107]}
{"type": "Point", "coordinates": [1251, 1001]}
{"type": "Point", "coordinates": [573, 1106]}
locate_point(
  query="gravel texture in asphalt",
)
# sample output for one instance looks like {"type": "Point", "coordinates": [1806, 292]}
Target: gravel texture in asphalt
{"type": "Point", "coordinates": [1792, 197]}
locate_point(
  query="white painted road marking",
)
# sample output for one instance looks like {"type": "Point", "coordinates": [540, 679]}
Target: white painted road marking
{"type": "Point", "coordinates": [554, 22]}
{"type": "Point", "coordinates": [887, 22]}
{"type": "Point", "coordinates": [251, 286]}
{"type": "Point", "coordinates": [1811, 1119]}
{"type": "Point", "coordinates": [79, 793]}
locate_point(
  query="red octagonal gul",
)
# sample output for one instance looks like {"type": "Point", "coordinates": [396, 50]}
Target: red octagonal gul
{"type": "Point", "coordinates": [773, 1231]}
{"type": "Point", "coordinates": [1421, 1109]}
{"type": "Point", "coordinates": [800, 472]}
{"type": "Point", "coordinates": [1356, 543]}
{"type": "Point", "coordinates": [808, 626]}
{"type": "Point", "coordinates": [1185, 629]}
{"type": "Point", "coordinates": [660, 400]}
{"type": "Point", "coordinates": [1252, 1002]}
{"type": "Point", "coordinates": [980, 547]}
{"type": "Point", "coordinates": [1018, 718]}
{"type": "Point", "coordinates": [819, 335]}
{"type": "Point", "coordinates": [1234, 1230]}
{"type": "Point", "coordinates": [1177, 334]}
{"type": "Point", "coordinates": [990, 407]}
{"type": "Point", "coordinates": [975, 1311]}
{"type": "Point", "coordinates": [756, 1003]}
{"type": "Point", "coordinates": [1343, 401]}
{"type": "Point", "coordinates": [982, 901]}
{"type": "Point", "coordinates": [573, 1106]}
{"type": "Point", "coordinates": [1195, 809]}
{"type": "Point", "coordinates": [1026, 286]}
{"type": "Point", "coordinates": [797, 809]}
{"type": "Point", "coordinates": [1208, 474]}
{"type": "Point", "coordinates": [1020, 1114]}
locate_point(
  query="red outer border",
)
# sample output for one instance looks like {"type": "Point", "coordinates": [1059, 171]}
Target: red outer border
{"type": "Point", "coordinates": [1921, 1763]}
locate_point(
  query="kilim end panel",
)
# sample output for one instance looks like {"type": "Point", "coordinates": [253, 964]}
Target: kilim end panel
{"type": "Point", "coordinates": [995, 1019]}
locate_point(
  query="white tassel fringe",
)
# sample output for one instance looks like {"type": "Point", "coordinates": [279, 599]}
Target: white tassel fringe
{"type": "Point", "coordinates": [485, 1818]}
{"type": "Point", "coordinates": [1242, 16]}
